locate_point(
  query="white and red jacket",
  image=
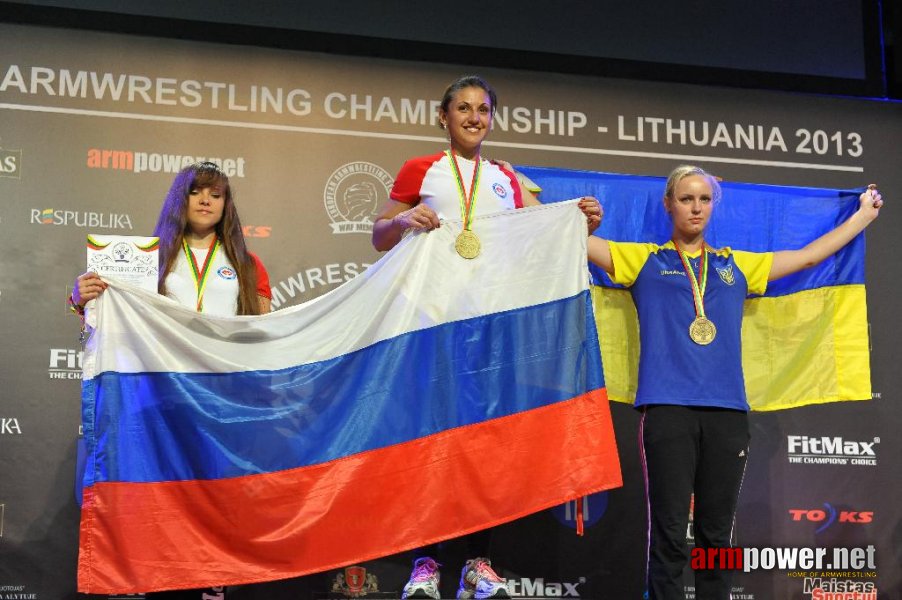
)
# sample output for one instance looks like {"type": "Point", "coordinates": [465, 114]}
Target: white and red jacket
{"type": "Point", "coordinates": [430, 180]}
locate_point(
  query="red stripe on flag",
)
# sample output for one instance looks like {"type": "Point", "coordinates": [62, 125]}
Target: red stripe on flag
{"type": "Point", "coordinates": [142, 537]}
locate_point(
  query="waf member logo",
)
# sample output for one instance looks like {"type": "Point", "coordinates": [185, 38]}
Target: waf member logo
{"type": "Point", "coordinates": [227, 273]}
{"type": "Point", "coordinates": [828, 515]}
{"type": "Point", "coordinates": [353, 194]}
{"type": "Point", "coordinates": [10, 161]}
{"type": "Point", "coordinates": [355, 582]}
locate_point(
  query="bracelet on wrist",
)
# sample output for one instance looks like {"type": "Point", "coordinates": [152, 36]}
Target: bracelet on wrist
{"type": "Point", "coordinates": [75, 307]}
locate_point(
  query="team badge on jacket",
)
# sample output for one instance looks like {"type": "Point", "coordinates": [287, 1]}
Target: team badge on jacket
{"type": "Point", "coordinates": [726, 274]}
{"type": "Point", "coordinates": [499, 190]}
{"type": "Point", "coordinates": [227, 273]}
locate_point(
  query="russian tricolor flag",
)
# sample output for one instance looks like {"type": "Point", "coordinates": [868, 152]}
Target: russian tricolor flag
{"type": "Point", "coordinates": [429, 397]}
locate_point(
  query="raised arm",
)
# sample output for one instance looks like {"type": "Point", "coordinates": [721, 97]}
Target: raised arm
{"type": "Point", "coordinates": [600, 254]}
{"type": "Point", "coordinates": [787, 262]}
{"type": "Point", "coordinates": [598, 248]}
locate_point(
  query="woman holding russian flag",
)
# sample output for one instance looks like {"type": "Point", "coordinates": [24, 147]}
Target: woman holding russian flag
{"type": "Point", "coordinates": [204, 261]}
{"type": "Point", "coordinates": [458, 183]}
{"type": "Point", "coordinates": [694, 430]}
{"type": "Point", "coordinates": [204, 264]}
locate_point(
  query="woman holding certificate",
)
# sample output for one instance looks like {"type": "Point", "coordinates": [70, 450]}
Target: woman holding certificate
{"type": "Point", "coordinates": [458, 183]}
{"type": "Point", "coordinates": [694, 430]}
{"type": "Point", "coordinates": [204, 262]}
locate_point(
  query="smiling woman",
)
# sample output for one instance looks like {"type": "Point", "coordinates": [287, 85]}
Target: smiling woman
{"type": "Point", "coordinates": [454, 184]}
{"type": "Point", "coordinates": [433, 187]}
{"type": "Point", "coordinates": [457, 183]}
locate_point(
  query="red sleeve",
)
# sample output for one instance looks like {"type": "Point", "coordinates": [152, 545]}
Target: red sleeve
{"type": "Point", "coordinates": [515, 185]}
{"type": "Point", "coordinates": [263, 288]}
{"type": "Point", "coordinates": [409, 181]}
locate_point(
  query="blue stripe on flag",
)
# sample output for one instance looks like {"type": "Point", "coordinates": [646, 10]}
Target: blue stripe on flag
{"type": "Point", "coordinates": [178, 426]}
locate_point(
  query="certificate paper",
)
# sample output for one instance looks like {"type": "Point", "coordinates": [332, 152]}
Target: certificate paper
{"type": "Point", "coordinates": [127, 258]}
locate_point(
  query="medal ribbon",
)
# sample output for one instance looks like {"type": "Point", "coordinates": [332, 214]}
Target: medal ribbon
{"type": "Point", "coordinates": [466, 203]}
{"type": "Point", "coordinates": [200, 275]}
{"type": "Point", "coordinates": [698, 290]}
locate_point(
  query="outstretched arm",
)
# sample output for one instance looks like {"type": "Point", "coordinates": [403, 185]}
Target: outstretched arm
{"type": "Point", "coordinates": [787, 262]}
{"type": "Point", "coordinates": [599, 249]}
{"type": "Point", "coordinates": [600, 254]}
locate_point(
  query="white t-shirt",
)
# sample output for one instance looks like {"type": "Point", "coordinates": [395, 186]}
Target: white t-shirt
{"type": "Point", "coordinates": [221, 291]}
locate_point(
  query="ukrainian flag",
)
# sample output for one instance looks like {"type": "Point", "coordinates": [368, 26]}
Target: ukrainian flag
{"type": "Point", "coordinates": [804, 342]}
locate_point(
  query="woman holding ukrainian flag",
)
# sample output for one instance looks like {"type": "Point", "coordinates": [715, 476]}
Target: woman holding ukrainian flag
{"type": "Point", "coordinates": [694, 431]}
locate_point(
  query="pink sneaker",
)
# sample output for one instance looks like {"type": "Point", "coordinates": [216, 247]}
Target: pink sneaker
{"type": "Point", "coordinates": [478, 580]}
{"type": "Point", "coordinates": [423, 581]}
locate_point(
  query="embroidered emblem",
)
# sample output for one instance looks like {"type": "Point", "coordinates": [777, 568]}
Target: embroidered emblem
{"type": "Point", "coordinates": [227, 273]}
{"type": "Point", "coordinates": [726, 274]}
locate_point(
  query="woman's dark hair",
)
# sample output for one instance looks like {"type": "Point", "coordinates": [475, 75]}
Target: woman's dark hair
{"type": "Point", "coordinates": [465, 82]}
{"type": "Point", "coordinates": [173, 222]}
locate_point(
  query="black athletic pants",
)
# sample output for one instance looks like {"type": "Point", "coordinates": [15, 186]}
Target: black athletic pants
{"type": "Point", "coordinates": [690, 450]}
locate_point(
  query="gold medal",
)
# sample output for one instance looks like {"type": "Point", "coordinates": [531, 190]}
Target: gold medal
{"type": "Point", "coordinates": [467, 244]}
{"type": "Point", "coordinates": [702, 331]}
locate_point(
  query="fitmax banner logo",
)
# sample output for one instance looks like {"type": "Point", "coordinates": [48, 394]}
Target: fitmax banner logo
{"type": "Point", "coordinates": [65, 363]}
{"type": "Point", "coordinates": [831, 450]}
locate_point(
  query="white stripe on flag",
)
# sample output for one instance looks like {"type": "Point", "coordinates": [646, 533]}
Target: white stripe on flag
{"type": "Point", "coordinates": [529, 256]}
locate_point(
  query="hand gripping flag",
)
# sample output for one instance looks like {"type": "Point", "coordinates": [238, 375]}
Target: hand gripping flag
{"type": "Point", "coordinates": [429, 397]}
{"type": "Point", "coordinates": [804, 342]}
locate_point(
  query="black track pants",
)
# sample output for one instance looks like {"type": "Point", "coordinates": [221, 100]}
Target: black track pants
{"type": "Point", "coordinates": [685, 451]}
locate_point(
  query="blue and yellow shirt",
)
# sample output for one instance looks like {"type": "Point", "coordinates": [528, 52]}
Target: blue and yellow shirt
{"type": "Point", "coordinates": [672, 368]}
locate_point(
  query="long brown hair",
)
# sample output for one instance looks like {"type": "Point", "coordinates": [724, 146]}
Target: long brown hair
{"type": "Point", "coordinates": [173, 222]}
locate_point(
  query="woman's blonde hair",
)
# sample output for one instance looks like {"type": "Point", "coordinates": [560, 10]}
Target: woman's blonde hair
{"type": "Point", "coordinates": [683, 171]}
